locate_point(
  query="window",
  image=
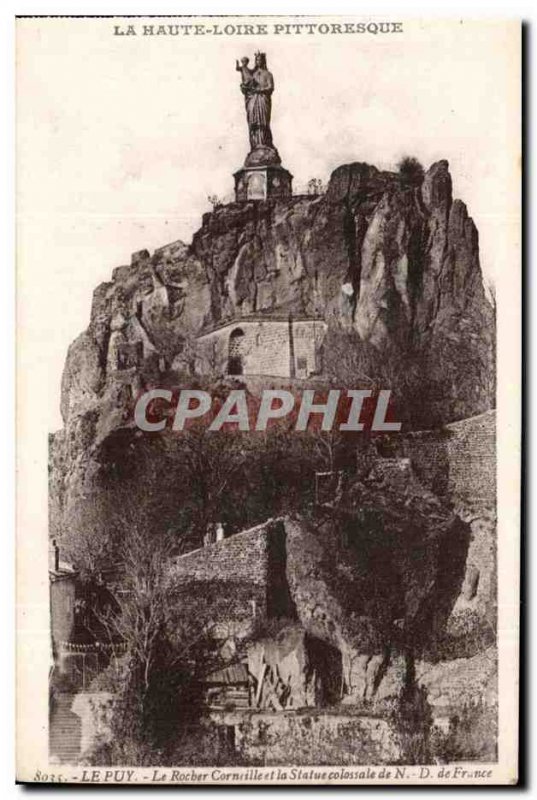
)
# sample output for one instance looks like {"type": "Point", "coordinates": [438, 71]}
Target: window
{"type": "Point", "coordinates": [235, 352]}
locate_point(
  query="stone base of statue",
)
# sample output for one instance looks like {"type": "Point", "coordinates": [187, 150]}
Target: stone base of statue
{"type": "Point", "coordinates": [262, 183]}
{"type": "Point", "coordinates": [262, 176]}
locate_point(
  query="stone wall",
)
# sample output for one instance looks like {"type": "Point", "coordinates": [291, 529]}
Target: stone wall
{"type": "Point", "coordinates": [264, 347]}
{"type": "Point", "coordinates": [307, 340]}
{"type": "Point", "coordinates": [244, 555]}
{"type": "Point", "coordinates": [459, 464]}
{"type": "Point", "coordinates": [62, 608]}
{"type": "Point", "coordinates": [471, 450]}
{"type": "Point", "coordinates": [458, 461]}
{"type": "Point", "coordinates": [312, 738]}
{"type": "Point", "coordinates": [237, 581]}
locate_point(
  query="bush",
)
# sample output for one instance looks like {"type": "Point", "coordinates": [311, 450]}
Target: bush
{"type": "Point", "coordinates": [472, 735]}
{"type": "Point", "coordinates": [215, 201]}
{"type": "Point", "coordinates": [315, 186]}
{"type": "Point", "coordinates": [411, 171]}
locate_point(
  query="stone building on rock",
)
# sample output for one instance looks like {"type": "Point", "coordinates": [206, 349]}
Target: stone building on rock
{"type": "Point", "coordinates": [275, 345]}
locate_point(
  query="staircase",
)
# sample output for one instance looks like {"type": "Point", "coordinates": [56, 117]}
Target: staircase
{"type": "Point", "coordinates": [64, 731]}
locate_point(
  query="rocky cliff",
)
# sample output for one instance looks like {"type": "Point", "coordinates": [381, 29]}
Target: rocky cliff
{"type": "Point", "coordinates": [393, 263]}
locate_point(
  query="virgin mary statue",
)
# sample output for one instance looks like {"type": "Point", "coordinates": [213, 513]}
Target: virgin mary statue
{"type": "Point", "coordinates": [257, 96]}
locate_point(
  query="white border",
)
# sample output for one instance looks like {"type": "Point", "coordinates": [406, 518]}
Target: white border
{"type": "Point", "coordinates": [473, 8]}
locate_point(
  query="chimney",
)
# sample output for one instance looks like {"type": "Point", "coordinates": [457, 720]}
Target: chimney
{"type": "Point", "coordinates": [54, 557]}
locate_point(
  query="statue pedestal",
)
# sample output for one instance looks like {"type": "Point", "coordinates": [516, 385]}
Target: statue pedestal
{"type": "Point", "coordinates": [261, 182]}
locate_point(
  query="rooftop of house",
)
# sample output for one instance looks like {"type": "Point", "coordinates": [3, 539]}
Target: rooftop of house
{"type": "Point", "coordinates": [64, 570]}
{"type": "Point", "coordinates": [273, 316]}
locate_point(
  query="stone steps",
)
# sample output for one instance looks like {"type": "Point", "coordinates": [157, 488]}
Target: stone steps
{"type": "Point", "coordinates": [64, 731]}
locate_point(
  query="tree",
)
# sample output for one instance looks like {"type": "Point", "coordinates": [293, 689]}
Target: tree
{"type": "Point", "coordinates": [315, 186]}
{"type": "Point", "coordinates": [215, 201]}
{"type": "Point", "coordinates": [139, 478]}
{"type": "Point", "coordinates": [214, 461]}
{"type": "Point", "coordinates": [328, 445]}
{"type": "Point", "coordinates": [165, 651]}
{"type": "Point", "coordinates": [209, 360]}
{"type": "Point", "coordinates": [411, 171]}
{"type": "Point", "coordinates": [90, 542]}
{"type": "Point", "coordinates": [354, 363]}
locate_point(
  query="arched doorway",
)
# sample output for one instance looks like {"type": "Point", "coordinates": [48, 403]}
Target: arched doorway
{"type": "Point", "coordinates": [235, 365]}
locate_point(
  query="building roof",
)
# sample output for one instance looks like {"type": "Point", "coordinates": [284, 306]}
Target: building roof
{"type": "Point", "coordinates": [232, 674]}
{"type": "Point", "coordinates": [273, 317]}
{"type": "Point", "coordinates": [64, 570]}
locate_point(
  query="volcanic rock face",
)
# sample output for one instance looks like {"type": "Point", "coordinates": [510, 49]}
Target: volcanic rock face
{"type": "Point", "coordinates": [382, 575]}
{"type": "Point", "coordinates": [379, 576]}
{"type": "Point", "coordinates": [394, 265]}
{"type": "Point", "coordinates": [407, 257]}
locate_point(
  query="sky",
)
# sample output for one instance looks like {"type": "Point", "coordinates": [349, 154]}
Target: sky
{"type": "Point", "coordinates": [121, 139]}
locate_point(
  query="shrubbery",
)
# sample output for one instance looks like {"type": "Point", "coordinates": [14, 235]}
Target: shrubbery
{"type": "Point", "coordinates": [411, 171]}
{"type": "Point", "coordinates": [472, 735]}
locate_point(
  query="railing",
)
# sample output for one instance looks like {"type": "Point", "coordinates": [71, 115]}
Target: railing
{"type": "Point", "coordinates": [299, 190]}
{"type": "Point", "coordinates": [307, 189]}
{"type": "Point", "coordinates": [91, 647]}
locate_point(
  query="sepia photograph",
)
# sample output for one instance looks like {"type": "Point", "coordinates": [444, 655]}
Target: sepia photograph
{"type": "Point", "coordinates": [269, 305]}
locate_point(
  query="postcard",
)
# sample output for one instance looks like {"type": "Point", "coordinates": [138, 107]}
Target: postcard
{"type": "Point", "coordinates": [269, 384]}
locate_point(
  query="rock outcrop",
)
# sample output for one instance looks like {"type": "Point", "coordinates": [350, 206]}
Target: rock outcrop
{"type": "Point", "coordinates": [379, 577]}
{"type": "Point", "coordinates": [393, 268]}
{"type": "Point", "coordinates": [394, 262]}
{"type": "Point", "coordinates": [391, 264]}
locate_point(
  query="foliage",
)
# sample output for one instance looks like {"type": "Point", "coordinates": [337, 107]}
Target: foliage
{"type": "Point", "coordinates": [316, 186]}
{"type": "Point", "coordinates": [472, 735]}
{"type": "Point", "coordinates": [411, 171]}
{"type": "Point", "coordinates": [311, 740]}
{"type": "Point", "coordinates": [203, 744]}
{"type": "Point", "coordinates": [156, 681]}
{"type": "Point", "coordinates": [91, 540]}
{"type": "Point", "coordinates": [412, 719]}
{"type": "Point", "coordinates": [468, 632]}
{"type": "Point", "coordinates": [181, 485]}
{"type": "Point", "coordinates": [432, 382]}
{"type": "Point", "coordinates": [215, 201]}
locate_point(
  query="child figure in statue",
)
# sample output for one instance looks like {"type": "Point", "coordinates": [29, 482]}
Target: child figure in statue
{"type": "Point", "coordinates": [247, 74]}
